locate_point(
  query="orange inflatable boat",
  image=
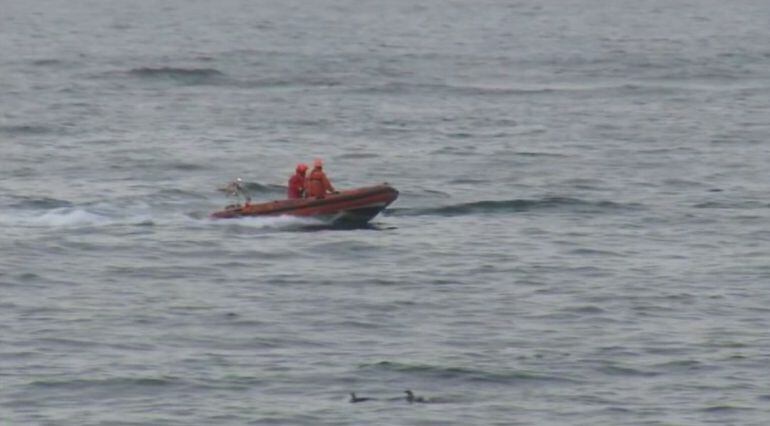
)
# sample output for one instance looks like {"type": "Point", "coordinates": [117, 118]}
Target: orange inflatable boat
{"type": "Point", "coordinates": [354, 206]}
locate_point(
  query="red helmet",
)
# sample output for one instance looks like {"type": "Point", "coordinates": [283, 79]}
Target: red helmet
{"type": "Point", "coordinates": [301, 168]}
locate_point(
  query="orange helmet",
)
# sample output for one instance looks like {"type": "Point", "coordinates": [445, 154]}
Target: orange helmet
{"type": "Point", "coordinates": [318, 163]}
{"type": "Point", "coordinates": [301, 168]}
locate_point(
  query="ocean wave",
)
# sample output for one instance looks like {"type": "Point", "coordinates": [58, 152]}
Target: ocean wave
{"type": "Point", "coordinates": [358, 156]}
{"type": "Point", "coordinates": [192, 76]}
{"type": "Point", "coordinates": [468, 181]}
{"type": "Point", "coordinates": [612, 369]}
{"type": "Point", "coordinates": [425, 371]}
{"type": "Point", "coordinates": [121, 382]}
{"type": "Point", "coordinates": [64, 217]}
{"type": "Point", "coordinates": [186, 166]}
{"type": "Point", "coordinates": [539, 153]}
{"type": "Point", "coordinates": [475, 91]}
{"type": "Point", "coordinates": [501, 91]}
{"type": "Point", "coordinates": [287, 81]}
{"type": "Point", "coordinates": [511, 206]}
{"type": "Point", "coordinates": [174, 194]}
{"type": "Point", "coordinates": [47, 62]}
{"type": "Point", "coordinates": [60, 217]}
{"type": "Point", "coordinates": [739, 205]}
{"type": "Point", "coordinates": [39, 203]}
{"type": "Point", "coordinates": [587, 89]}
{"type": "Point", "coordinates": [595, 252]}
{"type": "Point", "coordinates": [283, 222]}
{"type": "Point", "coordinates": [25, 129]}
{"type": "Point", "coordinates": [726, 409]}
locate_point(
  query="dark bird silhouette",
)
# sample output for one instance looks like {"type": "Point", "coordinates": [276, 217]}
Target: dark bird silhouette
{"type": "Point", "coordinates": [354, 398]}
{"type": "Point", "coordinates": [410, 398]}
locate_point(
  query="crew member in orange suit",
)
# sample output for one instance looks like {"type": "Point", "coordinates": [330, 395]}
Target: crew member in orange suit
{"type": "Point", "coordinates": [297, 182]}
{"type": "Point", "coordinates": [317, 184]}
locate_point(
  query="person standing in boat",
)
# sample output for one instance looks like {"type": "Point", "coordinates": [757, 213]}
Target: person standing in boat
{"type": "Point", "coordinates": [297, 182]}
{"type": "Point", "coordinates": [317, 184]}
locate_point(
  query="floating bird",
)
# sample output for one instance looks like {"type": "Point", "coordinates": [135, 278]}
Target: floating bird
{"type": "Point", "coordinates": [354, 398]}
{"type": "Point", "coordinates": [410, 398]}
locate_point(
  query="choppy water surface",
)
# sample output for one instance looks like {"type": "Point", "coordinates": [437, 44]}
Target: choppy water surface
{"type": "Point", "coordinates": [582, 234]}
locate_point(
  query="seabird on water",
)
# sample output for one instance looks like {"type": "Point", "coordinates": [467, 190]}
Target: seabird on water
{"type": "Point", "coordinates": [354, 398]}
{"type": "Point", "coordinates": [410, 398]}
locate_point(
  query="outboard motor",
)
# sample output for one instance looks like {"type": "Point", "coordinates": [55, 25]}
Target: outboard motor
{"type": "Point", "coordinates": [236, 189]}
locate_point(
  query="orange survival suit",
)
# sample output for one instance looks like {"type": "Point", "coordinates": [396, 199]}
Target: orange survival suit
{"type": "Point", "coordinates": [317, 184]}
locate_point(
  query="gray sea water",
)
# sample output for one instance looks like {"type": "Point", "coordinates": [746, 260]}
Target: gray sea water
{"type": "Point", "coordinates": [582, 236]}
